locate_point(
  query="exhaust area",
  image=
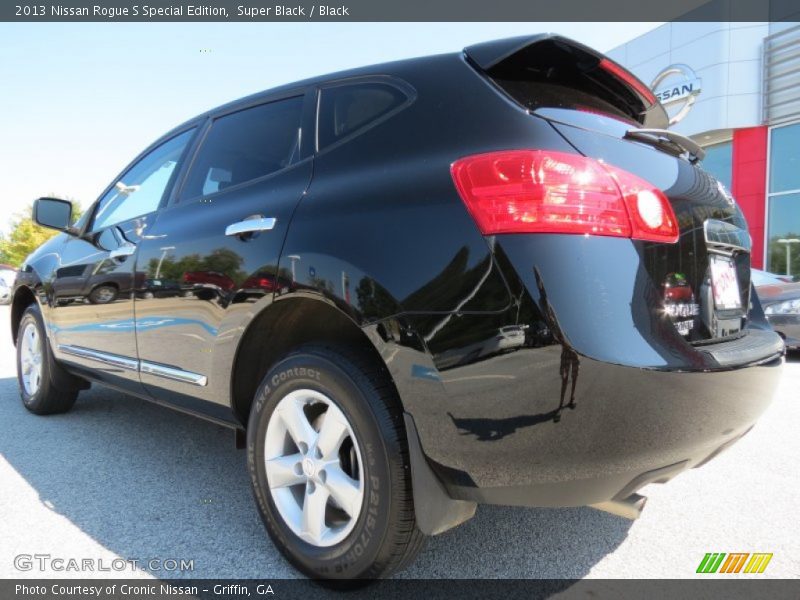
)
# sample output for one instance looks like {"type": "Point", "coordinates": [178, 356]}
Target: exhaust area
{"type": "Point", "coordinates": [627, 508]}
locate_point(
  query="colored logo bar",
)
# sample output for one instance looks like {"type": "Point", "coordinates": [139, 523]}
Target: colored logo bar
{"type": "Point", "coordinates": [734, 562]}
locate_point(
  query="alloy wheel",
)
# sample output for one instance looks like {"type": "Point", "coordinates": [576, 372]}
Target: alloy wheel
{"type": "Point", "coordinates": [313, 466]}
{"type": "Point", "coordinates": [31, 359]}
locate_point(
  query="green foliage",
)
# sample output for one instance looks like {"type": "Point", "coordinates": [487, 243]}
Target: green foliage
{"type": "Point", "coordinates": [777, 254]}
{"type": "Point", "coordinates": [219, 260]}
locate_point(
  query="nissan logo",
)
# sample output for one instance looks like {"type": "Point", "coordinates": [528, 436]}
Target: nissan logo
{"type": "Point", "coordinates": [676, 87]}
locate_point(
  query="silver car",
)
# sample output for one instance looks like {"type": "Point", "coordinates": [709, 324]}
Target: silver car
{"type": "Point", "coordinates": [5, 292]}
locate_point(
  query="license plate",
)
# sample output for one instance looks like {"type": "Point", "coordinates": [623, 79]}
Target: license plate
{"type": "Point", "coordinates": [724, 284]}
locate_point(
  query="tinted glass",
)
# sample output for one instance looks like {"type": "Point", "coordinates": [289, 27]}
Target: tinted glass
{"type": "Point", "coordinates": [559, 75]}
{"type": "Point", "coordinates": [53, 213]}
{"type": "Point", "coordinates": [246, 145]}
{"type": "Point", "coordinates": [784, 234]}
{"type": "Point", "coordinates": [346, 109]}
{"type": "Point", "coordinates": [719, 162]}
{"type": "Point", "coordinates": [784, 157]}
{"type": "Point", "coordinates": [140, 190]}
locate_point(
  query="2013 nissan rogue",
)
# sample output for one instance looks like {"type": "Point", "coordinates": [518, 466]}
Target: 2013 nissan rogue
{"type": "Point", "coordinates": [483, 277]}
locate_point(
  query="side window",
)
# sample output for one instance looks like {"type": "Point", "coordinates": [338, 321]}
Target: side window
{"type": "Point", "coordinates": [140, 189]}
{"type": "Point", "coordinates": [246, 145]}
{"type": "Point", "coordinates": [345, 109]}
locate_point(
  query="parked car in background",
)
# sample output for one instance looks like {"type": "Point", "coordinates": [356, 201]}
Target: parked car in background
{"type": "Point", "coordinates": [5, 292]}
{"type": "Point", "coordinates": [781, 303]}
{"type": "Point", "coordinates": [8, 275]}
{"type": "Point", "coordinates": [511, 337]}
{"type": "Point", "coordinates": [761, 278]}
{"type": "Point", "coordinates": [415, 217]}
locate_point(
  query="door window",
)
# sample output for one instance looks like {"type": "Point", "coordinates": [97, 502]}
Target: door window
{"type": "Point", "coordinates": [140, 190]}
{"type": "Point", "coordinates": [246, 145]}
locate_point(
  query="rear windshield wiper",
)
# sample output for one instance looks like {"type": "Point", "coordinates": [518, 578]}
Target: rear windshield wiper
{"type": "Point", "coordinates": [668, 140]}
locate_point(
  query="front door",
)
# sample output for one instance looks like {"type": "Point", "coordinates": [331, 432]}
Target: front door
{"type": "Point", "coordinates": [213, 253]}
{"type": "Point", "coordinates": [92, 306]}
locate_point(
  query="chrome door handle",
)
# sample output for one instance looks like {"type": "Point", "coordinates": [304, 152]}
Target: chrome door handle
{"type": "Point", "coordinates": [250, 226]}
{"type": "Point", "coordinates": [126, 249]}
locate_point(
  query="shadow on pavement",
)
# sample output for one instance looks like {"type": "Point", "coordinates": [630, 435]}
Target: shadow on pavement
{"type": "Point", "coordinates": [146, 482]}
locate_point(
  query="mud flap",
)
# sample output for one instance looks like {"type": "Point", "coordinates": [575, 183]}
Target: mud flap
{"type": "Point", "coordinates": [436, 511]}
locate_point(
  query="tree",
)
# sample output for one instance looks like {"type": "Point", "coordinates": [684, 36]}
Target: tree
{"type": "Point", "coordinates": [778, 254]}
{"type": "Point", "coordinates": [25, 237]}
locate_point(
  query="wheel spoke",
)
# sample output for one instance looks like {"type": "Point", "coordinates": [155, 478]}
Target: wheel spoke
{"type": "Point", "coordinates": [303, 482]}
{"type": "Point", "coordinates": [344, 489]}
{"type": "Point", "coordinates": [281, 471]}
{"type": "Point", "coordinates": [297, 424]}
{"type": "Point", "coordinates": [30, 364]}
{"type": "Point", "coordinates": [316, 499]}
{"type": "Point", "coordinates": [332, 432]}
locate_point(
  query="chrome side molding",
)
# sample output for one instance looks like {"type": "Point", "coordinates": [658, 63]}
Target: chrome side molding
{"type": "Point", "coordinates": [115, 360]}
{"type": "Point", "coordinates": [131, 364]}
{"type": "Point", "coordinates": [172, 373]}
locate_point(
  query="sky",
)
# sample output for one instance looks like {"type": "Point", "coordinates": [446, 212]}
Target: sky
{"type": "Point", "coordinates": [80, 101]}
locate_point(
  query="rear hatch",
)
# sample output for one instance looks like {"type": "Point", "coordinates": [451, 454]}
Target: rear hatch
{"type": "Point", "coordinates": [607, 114]}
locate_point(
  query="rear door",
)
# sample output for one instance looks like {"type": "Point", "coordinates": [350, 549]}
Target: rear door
{"type": "Point", "coordinates": [92, 314]}
{"type": "Point", "coordinates": [211, 260]}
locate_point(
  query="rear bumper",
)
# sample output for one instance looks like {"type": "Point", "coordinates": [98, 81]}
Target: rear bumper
{"type": "Point", "coordinates": [608, 399]}
{"type": "Point", "coordinates": [521, 444]}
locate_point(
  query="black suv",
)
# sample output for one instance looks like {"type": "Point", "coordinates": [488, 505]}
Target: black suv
{"type": "Point", "coordinates": [482, 277]}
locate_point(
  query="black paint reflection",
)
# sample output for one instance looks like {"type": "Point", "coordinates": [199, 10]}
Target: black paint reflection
{"type": "Point", "coordinates": [491, 430]}
{"type": "Point", "coordinates": [570, 363]}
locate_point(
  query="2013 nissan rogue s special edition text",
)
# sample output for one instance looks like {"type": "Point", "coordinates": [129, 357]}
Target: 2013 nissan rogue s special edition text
{"type": "Point", "coordinates": [481, 277]}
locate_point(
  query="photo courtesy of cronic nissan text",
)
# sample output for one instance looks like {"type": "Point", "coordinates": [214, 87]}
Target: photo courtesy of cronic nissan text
{"type": "Point", "coordinates": [378, 299]}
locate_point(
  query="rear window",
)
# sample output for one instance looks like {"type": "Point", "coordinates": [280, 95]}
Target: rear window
{"type": "Point", "coordinates": [553, 74]}
{"type": "Point", "coordinates": [347, 109]}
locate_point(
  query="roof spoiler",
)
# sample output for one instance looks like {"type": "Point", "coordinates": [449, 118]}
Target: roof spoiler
{"type": "Point", "coordinates": [487, 56]}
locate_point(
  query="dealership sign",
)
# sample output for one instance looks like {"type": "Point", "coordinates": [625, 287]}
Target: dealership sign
{"type": "Point", "coordinates": [677, 87]}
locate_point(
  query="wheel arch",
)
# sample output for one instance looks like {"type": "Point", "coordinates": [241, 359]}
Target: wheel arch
{"type": "Point", "coordinates": [286, 324]}
{"type": "Point", "coordinates": [23, 298]}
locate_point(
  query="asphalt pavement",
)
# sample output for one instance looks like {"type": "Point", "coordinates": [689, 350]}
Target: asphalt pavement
{"type": "Point", "coordinates": [120, 478]}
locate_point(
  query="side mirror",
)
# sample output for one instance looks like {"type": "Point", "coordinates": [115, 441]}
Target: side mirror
{"type": "Point", "coordinates": [53, 213]}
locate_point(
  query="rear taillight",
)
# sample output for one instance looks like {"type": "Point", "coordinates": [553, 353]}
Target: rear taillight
{"type": "Point", "coordinates": [541, 191]}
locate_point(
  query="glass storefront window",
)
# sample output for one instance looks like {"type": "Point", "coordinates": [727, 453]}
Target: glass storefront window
{"type": "Point", "coordinates": [784, 158]}
{"type": "Point", "coordinates": [784, 224]}
{"type": "Point", "coordinates": [719, 162]}
{"type": "Point", "coordinates": [783, 227]}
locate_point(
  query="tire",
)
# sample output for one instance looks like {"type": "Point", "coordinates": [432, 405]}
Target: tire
{"type": "Point", "coordinates": [45, 387]}
{"type": "Point", "coordinates": [103, 294]}
{"type": "Point", "coordinates": [383, 536]}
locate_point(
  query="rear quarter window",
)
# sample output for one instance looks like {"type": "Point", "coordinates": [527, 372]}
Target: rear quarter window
{"type": "Point", "coordinates": [347, 109]}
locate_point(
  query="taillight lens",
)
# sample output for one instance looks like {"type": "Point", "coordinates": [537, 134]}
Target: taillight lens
{"type": "Point", "coordinates": [541, 191]}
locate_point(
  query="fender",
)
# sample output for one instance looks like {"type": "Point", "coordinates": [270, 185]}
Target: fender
{"type": "Point", "coordinates": [35, 277]}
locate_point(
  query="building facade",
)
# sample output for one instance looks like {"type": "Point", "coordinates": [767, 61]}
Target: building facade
{"type": "Point", "coordinates": [735, 89]}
